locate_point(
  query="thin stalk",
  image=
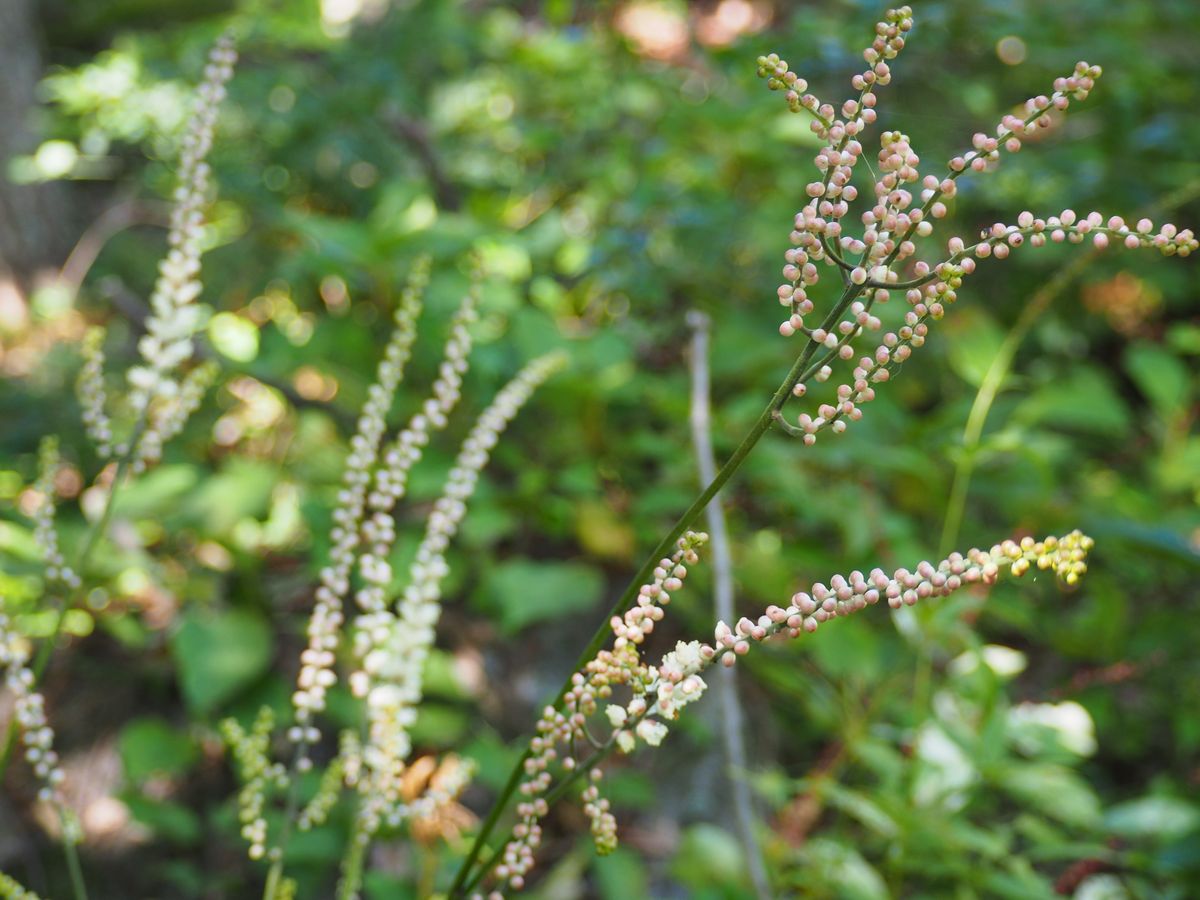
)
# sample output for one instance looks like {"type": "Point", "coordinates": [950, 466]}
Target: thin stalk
{"type": "Point", "coordinates": [989, 388]}
{"type": "Point", "coordinates": [78, 888]}
{"type": "Point", "coordinates": [352, 864]}
{"type": "Point", "coordinates": [760, 427]}
{"type": "Point", "coordinates": [732, 740]}
{"type": "Point", "coordinates": [993, 379]}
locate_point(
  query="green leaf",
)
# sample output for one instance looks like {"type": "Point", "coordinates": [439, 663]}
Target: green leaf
{"type": "Point", "coordinates": [1083, 400]}
{"type": "Point", "coordinates": [166, 819]}
{"type": "Point", "coordinates": [621, 874]}
{"type": "Point", "coordinates": [972, 344]}
{"type": "Point", "coordinates": [1161, 818]}
{"type": "Point", "coordinates": [524, 592]}
{"type": "Point", "coordinates": [1160, 376]}
{"type": "Point", "coordinates": [1054, 790]}
{"type": "Point", "coordinates": [844, 869]}
{"type": "Point", "coordinates": [707, 855]}
{"type": "Point", "coordinates": [242, 489]}
{"type": "Point", "coordinates": [220, 654]}
{"type": "Point", "coordinates": [859, 806]}
{"type": "Point", "coordinates": [150, 747]}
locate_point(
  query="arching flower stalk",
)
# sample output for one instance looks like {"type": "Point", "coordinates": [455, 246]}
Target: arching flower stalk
{"type": "Point", "coordinates": [659, 692]}
{"type": "Point", "coordinates": [59, 575]}
{"type": "Point", "coordinates": [563, 740]}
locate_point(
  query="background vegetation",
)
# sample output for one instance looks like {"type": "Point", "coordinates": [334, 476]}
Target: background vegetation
{"type": "Point", "coordinates": [617, 165]}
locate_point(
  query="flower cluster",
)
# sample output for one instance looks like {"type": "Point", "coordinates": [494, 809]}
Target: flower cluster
{"type": "Point", "coordinates": [870, 265]}
{"type": "Point", "coordinates": [563, 733]}
{"type": "Point", "coordinates": [160, 398]}
{"type": "Point", "coordinates": [390, 643]}
{"type": "Point", "coordinates": [391, 483]}
{"type": "Point", "coordinates": [258, 774]}
{"type": "Point", "coordinates": [167, 343]}
{"type": "Point", "coordinates": [317, 674]}
{"type": "Point", "coordinates": [30, 713]}
{"type": "Point", "coordinates": [392, 673]}
{"type": "Point", "coordinates": [58, 573]}
{"type": "Point", "coordinates": [92, 396]}
{"type": "Point", "coordinates": [11, 890]}
{"type": "Point", "coordinates": [1065, 556]}
{"type": "Point", "coordinates": [659, 692]}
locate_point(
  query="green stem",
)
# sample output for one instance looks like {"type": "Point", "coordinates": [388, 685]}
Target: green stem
{"type": "Point", "coordinates": [78, 888]}
{"type": "Point", "coordinates": [989, 388]}
{"type": "Point", "coordinates": [352, 864]}
{"type": "Point", "coordinates": [1001, 364]}
{"type": "Point", "coordinates": [760, 427]}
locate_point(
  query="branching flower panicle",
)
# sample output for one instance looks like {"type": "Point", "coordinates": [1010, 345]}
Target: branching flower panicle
{"type": "Point", "coordinates": [660, 692]}
{"type": "Point", "coordinates": [868, 264]}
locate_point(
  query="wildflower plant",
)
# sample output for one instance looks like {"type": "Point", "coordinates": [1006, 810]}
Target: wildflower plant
{"type": "Point", "coordinates": [882, 261]}
{"type": "Point", "coordinates": [392, 630]}
{"type": "Point", "coordinates": [373, 629]}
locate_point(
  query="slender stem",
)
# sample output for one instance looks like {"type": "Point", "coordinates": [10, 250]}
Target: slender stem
{"type": "Point", "coordinates": [352, 864]}
{"type": "Point", "coordinates": [78, 888]}
{"type": "Point", "coordinates": [731, 721]}
{"type": "Point", "coordinates": [761, 425]}
{"type": "Point", "coordinates": [989, 388]}
{"type": "Point", "coordinates": [1001, 364]}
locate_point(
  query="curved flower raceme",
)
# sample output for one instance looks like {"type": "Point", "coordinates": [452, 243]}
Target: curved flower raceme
{"type": "Point", "coordinates": [882, 260]}
{"type": "Point", "coordinates": [317, 673]}
{"type": "Point", "coordinates": [59, 575]}
{"type": "Point", "coordinates": [397, 646]}
{"type": "Point", "coordinates": [160, 397]}
{"type": "Point", "coordinates": [658, 693]}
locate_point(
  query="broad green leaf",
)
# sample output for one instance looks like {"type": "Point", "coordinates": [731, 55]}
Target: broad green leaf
{"type": "Point", "coordinates": [172, 821]}
{"type": "Point", "coordinates": [150, 747]}
{"type": "Point", "coordinates": [973, 343]}
{"type": "Point", "coordinates": [220, 654]}
{"type": "Point", "coordinates": [1160, 376]}
{"type": "Point", "coordinates": [1081, 400]}
{"type": "Point", "coordinates": [707, 855]}
{"type": "Point", "coordinates": [859, 806]}
{"type": "Point", "coordinates": [524, 591]}
{"type": "Point", "coordinates": [1056, 791]}
{"type": "Point", "coordinates": [1160, 817]}
{"type": "Point", "coordinates": [843, 869]}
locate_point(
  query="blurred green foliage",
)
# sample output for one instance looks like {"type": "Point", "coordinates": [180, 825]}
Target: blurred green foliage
{"type": "Point", "coordinates": [1017, 745]}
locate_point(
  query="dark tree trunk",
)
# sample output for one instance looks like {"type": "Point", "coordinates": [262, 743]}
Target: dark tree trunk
{"type": "Point", "coordinates": [35, 225]}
